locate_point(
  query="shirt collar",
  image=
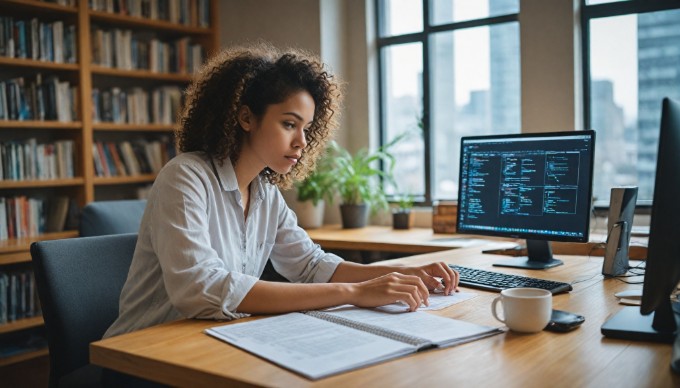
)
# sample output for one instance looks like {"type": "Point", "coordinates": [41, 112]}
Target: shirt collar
{"type": "Point", "coordinates": [227, 177]}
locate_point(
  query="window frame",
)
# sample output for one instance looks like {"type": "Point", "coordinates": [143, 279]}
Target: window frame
{"type": "Point", "coordinates": [422, 37]}
{"type": "Point", "coordinates": [597, 11]}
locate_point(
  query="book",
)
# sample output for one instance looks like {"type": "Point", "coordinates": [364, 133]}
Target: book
{"type": "Point", "coordinates": [317, 344]}
{"type": "Point", "coordinates": [58, 210]}
{"type": "Point", "coordinates": [4, 289]}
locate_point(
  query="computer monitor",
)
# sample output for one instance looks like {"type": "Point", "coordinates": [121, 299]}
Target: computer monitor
{"type": "Point", "coordinates": [655, 319]}
{"type": "Point", "coordinates": [536, 186]}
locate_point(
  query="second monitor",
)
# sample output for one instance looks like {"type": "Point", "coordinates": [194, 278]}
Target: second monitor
{"type": "Point", "coordinates": [535, 186]}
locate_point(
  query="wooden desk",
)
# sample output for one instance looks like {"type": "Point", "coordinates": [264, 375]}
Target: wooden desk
{"type": "Point", "coordinates": [384, 238]}
{"type": "Point", "coordinates": [424, 240]}
{"type": "Point", "coordinates": [179, 353]}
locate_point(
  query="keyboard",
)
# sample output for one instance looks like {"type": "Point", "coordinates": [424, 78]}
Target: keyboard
{"type": "Point", "coordinates": [496, 281]}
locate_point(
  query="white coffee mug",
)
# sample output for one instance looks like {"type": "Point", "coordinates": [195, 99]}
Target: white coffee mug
{"type": "Point", "coordinates": [525, 310]}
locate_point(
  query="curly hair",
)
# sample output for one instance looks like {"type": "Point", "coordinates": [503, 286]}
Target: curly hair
{"type": "Point", "coordinates": [257, 76]}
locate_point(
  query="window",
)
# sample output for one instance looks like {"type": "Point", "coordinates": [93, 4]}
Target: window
{"type": "Point", "coordinates": [631, 61]}
{"type": "Point", "coordinates": [448, 68]}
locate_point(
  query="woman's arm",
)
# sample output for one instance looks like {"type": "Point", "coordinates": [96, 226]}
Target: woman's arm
{"type": "Point", "coordinates": [357, 284]}
{"type": "Point", "coordinates": [272, 297]}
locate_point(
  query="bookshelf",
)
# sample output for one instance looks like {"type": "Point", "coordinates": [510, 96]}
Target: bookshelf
{"type": "Point", "coordinates": [178, 29]}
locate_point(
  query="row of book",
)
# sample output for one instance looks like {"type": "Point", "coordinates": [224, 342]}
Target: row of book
{"type": "Point", "coordinates": [136, 105]}
{"type": "Point", "coordinates": [33, 39]}
{"type": "Point", "coordinates": [29, 160]}
{"type": "Point", "coordinates": [37, 99]}
{"type": "Point", "coordinates": [66, 3]}
{"type": "Point", "coordinates": [22, 216]}
{"type": "Point", "coordinates": [131, 158]}
{"type": "Point", "coordinates": [128, 50]}
{"type": "Point", "coordinates": [187, 12]}
{"type": "Point", "coordinates": [22, 341]}
{"type": "Point", "coordinates": [18, 296]}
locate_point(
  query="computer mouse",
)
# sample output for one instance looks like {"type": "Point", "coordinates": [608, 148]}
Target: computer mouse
{"type": "Point", "coordinates": [629, 294]}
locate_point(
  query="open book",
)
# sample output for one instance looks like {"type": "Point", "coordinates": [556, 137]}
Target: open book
{"type": "Point", "coordinates": [321, 343]}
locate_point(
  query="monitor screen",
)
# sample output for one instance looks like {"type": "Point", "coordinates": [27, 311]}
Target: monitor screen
{"type": "Point", "coordinates": [662, 269]}
{"type": "Point", "coordinates": [536, 186]}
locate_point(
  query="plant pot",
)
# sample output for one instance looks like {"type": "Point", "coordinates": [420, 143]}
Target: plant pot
{"type": "Point", "coordinates": [354, 216]}
{"type": "Point", "coordinates": [401, 219]}
{"type": "Point", "coordinates": [308, 215]}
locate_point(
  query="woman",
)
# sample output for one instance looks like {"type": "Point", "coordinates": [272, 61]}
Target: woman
{"type": "Point", "coordinates": [254, 121]}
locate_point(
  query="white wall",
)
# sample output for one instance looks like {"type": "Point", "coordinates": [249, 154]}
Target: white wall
{"type": "Point", "coordinates": [289, 23]}
{"type": "Point", "coordinates": [550, 63]}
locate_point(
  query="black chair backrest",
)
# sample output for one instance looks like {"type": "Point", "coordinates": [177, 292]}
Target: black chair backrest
{"type": "Point", "coordinates": [111, 217]}
{"type": "Point", "coordinates": [79, 282]}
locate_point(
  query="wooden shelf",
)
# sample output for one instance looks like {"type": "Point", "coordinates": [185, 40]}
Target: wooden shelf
{"type": "Point", "coordinates": [112, 127]}
{"type": "Point", "coordinates": [124, 180]}
{"type": "Point", "coordinates": [24, 244]}
{"type": "Point", "coordinates": [101, 70]}
{"type": "Point", "coordinates": [85, 76]}
{"type": "Point", "coordinates": [5, 184]}
{"type": "Point", "coordinates": [39, 6]}
{"type": "Point", "coordinates": [21, 324]}
{"type": "Point", "coordinates": [15, 257]}
{"type": "Point", "coordinates": [19, 62]}
{"type": "Point", "coordinates": [37, 124]}
{"type": "Point", "coordinates": [137, 22]}
{"type": "Point", "coordinates": [23, 357]}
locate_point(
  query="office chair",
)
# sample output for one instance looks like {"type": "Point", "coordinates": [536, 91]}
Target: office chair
{"type": "Point", "coordinates": [79, 282]}
{"type": "Point", "coordinates": [111, 217]}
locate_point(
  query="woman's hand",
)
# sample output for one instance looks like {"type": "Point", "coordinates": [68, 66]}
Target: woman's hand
{"type": "Point", "coordinates": [430, 272]}
{"type": "Point", "coordinates": [391, 288]}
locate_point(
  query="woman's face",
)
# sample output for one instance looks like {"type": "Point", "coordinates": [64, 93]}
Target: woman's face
{"type": "Point", "coordinates": [276, 140]}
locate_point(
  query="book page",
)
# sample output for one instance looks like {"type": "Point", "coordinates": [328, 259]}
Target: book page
{"type": "Point", "coordinates": [437, 302]}
{"type": "Point", "coordinates": [312, 347]}
{"type": "Point", "coordinates": [437, 330]}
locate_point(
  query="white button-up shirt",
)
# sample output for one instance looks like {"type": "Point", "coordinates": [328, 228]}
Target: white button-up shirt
{"type": "Point", "coordinates": [197, 256]}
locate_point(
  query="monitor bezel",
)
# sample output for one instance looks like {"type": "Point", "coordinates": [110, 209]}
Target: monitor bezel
{"type": "Point", "coordinates": [530, 236]}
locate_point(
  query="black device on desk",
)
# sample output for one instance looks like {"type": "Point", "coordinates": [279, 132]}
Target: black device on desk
{"type": "Point", "coordinates": [564, 321]}
{"type": "Point", "coordinates": [656, 319]}
{"type": "Point", "coordinates": [496, 281]}
{"type": "Point", "coordinates": [535, 186]}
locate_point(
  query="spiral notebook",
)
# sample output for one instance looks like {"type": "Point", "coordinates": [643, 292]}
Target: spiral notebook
{"type": "Point", "coordinates": [317, 344]}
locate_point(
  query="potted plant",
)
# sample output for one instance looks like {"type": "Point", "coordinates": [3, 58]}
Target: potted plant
{"type": "Point", "coordinates": [401, 214]}
{"type": "Point", "coordinates": [312, 193]}
{"type": "Point", "coordinates": [357, 179]}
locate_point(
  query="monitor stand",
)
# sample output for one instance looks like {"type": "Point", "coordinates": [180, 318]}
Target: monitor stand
{"type": "Point", "coordinates": [629, 324]}
{"type": "Point", "coordinates": [539, 257]}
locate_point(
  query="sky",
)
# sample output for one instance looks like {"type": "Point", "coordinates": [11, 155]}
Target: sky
{"type": "Point", "coordinates": [613, 47]}
{"type": "Point", "coordinates": [472, 63]}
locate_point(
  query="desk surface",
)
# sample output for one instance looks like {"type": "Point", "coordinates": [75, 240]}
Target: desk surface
{"type": "Point", "coordinates": [384, 238]}
{"type": "Point", "coordinates": [179, 353]}
{"type": "Point", "coordinates": [424, 240]}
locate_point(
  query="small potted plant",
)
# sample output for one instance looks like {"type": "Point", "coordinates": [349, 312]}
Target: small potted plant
{"type": "Point", "coordinates": [401, 214]}
{"type": "Point", "coordinates": [312, 193]}
{"type": "Point", "coordinates": [358, 180]}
